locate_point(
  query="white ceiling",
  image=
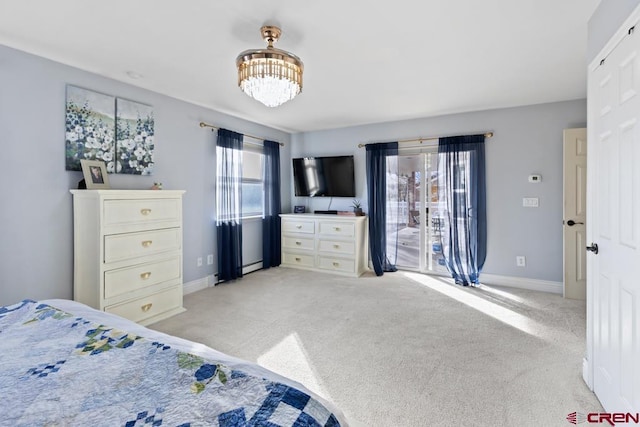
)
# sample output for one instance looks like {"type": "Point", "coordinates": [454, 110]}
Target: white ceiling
{"type": "Point", "coordinates": [365, 62]}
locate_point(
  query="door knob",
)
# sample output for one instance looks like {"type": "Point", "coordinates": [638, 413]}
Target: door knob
{"type": "Point", "coordinates": [593, 248]}
{"type": "Point", "coordinates": [571, 223]}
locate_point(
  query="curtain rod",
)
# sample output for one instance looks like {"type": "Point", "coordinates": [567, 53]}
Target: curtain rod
{"type": "Point", "coordinates": [421, 140]}
{"type": "Point", "coordinates": [206, 125]}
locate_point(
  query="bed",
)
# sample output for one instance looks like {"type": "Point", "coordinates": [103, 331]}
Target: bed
{"type": "Point", "coordinates": [64, 363]}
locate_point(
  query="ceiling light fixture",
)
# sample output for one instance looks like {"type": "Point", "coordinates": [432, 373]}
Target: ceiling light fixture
{"type": "Point", "coordinates": [271, 76]}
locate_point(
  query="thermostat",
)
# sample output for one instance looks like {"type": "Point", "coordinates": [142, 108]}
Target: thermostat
{"type": "Point", "coordinates": [535, 178]}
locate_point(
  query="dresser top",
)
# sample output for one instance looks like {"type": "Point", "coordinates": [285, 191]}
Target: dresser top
{"type": "Point", "coordinates": [324, 216]}
{"type": "Point", "coordinates": [128, 194]}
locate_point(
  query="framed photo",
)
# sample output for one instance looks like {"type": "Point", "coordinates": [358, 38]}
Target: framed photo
{"type": "Point", "coordinates": [298, 209]}
{"type": "Point", "coordinates": [95, 174]}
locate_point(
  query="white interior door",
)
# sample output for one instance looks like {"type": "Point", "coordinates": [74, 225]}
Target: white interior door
{"type": "Point", "coordinates": [575, 213]}
{"type": "Point", "coordinates": [613, 276]}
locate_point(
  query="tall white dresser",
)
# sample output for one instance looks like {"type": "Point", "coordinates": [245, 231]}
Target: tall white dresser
{"type": "Point", "coordinates": [128, 252]}
{"type": "Point", "coordinates": [328, 243]}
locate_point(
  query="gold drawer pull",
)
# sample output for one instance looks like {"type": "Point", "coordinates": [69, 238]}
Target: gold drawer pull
{"type": "Point", "coordinates": [298, 226]}
{"type": "Point", "coordinates": [146, 307]}
{"type": "Point", "coordinates": [147, 243]}
{"type": "Point", "coordinates": [298, 259]}
{"type": "Point", "coordinates": [298, 243]}
{"type": "Point", "coordinates": [145, 276]}
{"type": "Point", "coordinates": [145, 211]}
{"type": "Point", "coordinates": [336, 246]}
{"type": "Point", "coordinates": [336, 264]}
{"type": "Point", "coordinates": [336, 228]}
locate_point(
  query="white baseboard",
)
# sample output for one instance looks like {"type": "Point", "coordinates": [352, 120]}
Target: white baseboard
{"type": "Point", "coordinates": [523, 283]}
{"type": "Point", "coordinates": [211, 280]}
{"type": "Point", "coordinates": [489, 279]}
{"type": "Point", "coordinates": [586, 373]}
{"type": "Point", "coordinates": [198, 284]}
{"type": "Point", "coordinates": [252, 267]}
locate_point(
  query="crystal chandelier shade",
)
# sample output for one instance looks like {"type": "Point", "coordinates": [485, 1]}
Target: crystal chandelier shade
{"type": "Point", "coordinates": [271, 76]}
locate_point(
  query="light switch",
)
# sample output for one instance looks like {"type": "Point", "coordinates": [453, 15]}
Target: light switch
{"type": "Point", "coordinates": [530, 202]}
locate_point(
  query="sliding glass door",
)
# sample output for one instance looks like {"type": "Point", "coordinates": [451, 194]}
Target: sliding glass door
{"type": "Point", "coordinates": [413, 208]}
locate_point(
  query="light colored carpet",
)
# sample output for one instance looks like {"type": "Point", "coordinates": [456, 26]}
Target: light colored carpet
{"type": "Point", "coordinates": [403, 349]}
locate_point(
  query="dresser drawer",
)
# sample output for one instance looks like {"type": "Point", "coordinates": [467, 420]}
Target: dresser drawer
{"type": "Point", "coordinates": [336, 228]}
{"type": "Point", "coordinates": [297, 259]}
{"type": "Point", "coordinates": [337, 264]}
{"type": "Point", "coordinates": [336, 246]}
{"type": "Point", "coordinates": [292, 226]}
{"type": "Point", "coordinates": [141, 211]}
{"type": "Point", "coordinates": [149, 306]}
{"type": "Point", "coordinates": [298, 243]}
{"type": "Point", "coordinates": [130, 279]}
{"type": "Point", "coordinates": [118, 247]}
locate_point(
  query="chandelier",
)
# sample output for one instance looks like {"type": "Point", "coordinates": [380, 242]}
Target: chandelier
{"type": "Point", "coordinates": [271, 76]}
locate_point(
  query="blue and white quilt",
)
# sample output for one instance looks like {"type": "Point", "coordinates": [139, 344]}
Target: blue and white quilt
{"type": "Point", "coordinates": [60, 369]}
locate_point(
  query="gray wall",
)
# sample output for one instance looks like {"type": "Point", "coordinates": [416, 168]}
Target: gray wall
{"type": "Point", "coordinates": [607, 18]}
{"type": "Point", "coordinates": [527, 140]}
{"type": "Point", "coordinates": [36, 215]}
{"type": "Point", "coordinates": [36, 234]}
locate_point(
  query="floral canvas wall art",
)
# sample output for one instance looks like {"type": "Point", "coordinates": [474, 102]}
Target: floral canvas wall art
{"type": "Point", "coordinates": [134, 138]}
{"type": "Point", "coordinates": [89, 127]}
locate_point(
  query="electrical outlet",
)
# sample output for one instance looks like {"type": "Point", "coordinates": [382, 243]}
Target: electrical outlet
{"type": "Point", "coordinates": [521, 261]}
{"type": "Point", "coordinates": [199, 261]}
{"type": "Point", "coordinates": [209, 259]}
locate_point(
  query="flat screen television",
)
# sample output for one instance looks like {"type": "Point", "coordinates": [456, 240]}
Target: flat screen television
{"type": "Point", "coordinates": [324, 176]}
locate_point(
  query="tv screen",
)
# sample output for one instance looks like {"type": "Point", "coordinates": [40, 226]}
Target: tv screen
{"type": "Point", "coordinates": [324, 176]}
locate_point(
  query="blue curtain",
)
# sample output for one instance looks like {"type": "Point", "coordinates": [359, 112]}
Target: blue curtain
{"type": "Point", "coordinates": [462, 199]}
{"type": "Point", "coordinates": [377, 168]}
{"type": "Point", "coordinates": [229, 204]}
{"type": "Point", "coordinates": [271, 255]}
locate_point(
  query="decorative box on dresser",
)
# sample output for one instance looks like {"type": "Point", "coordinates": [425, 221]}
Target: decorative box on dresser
{"type": "Point", "coordinates": [329, 243]}
{"type": "Point", "coordinates": [128, 252]}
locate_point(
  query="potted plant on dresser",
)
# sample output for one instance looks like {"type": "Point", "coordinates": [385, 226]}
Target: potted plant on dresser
{"type": "Point", "coordinates": [357, 207]}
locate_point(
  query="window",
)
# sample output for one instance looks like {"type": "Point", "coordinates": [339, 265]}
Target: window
{"type": "Point", "coordinates": [252, 183]}
{"type": "Point", "coordinates": [228, 165]}
{"type": "Point", "coordinates": [251, 202]}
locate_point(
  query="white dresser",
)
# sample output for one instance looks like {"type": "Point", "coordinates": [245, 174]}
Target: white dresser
{"type": "Point", "coordinates": [329, 243]}
{"type": "Point", "coordinates": [128, 252]}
